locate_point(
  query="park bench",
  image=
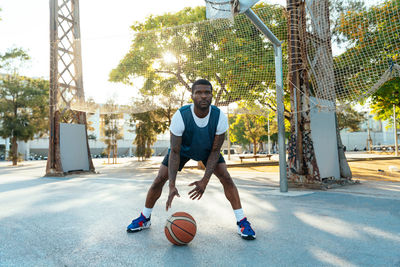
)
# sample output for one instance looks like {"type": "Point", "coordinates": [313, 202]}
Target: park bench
{"type": "Point", "coordinates": [254, 157]}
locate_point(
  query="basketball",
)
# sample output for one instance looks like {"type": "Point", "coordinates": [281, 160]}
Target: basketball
{"type": "Point", "coordinates": [180, 228]}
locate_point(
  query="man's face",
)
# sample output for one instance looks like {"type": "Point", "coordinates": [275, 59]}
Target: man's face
{"type": "Point", "coordinates": [202, 96]}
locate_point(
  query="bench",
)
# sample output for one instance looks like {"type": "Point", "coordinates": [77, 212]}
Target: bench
{"type": "Point", "coordinates": [254, 157]}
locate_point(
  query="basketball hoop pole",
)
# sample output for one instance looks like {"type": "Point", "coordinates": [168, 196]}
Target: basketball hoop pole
{"type": "Point", "coordinates": [279, 94]}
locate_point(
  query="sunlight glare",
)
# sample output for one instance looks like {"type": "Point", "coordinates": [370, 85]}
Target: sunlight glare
{"type": "Point", "coordinates": [329, 258]}
{"type": "Point", "coordinates": [329, 225]}
{"type": "Point", "coordinates": [169, 58]}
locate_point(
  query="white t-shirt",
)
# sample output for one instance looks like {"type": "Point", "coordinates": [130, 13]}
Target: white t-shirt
{"type": "Point", "coordinates": [177, 126]}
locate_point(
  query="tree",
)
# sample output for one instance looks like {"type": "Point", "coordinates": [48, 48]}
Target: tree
{"type": "Point", "coordinates": [249, 127]}
{"type": "Point", "coordinates": [373, 43]}
{"type": "Point", "coordinates": [253, 126]}
{"type": "Point", "coordinates": [146, 57]}
{"type": "Point", "coordinates": [148, 124]}
{"type": "Point", "coordinates": [373, 46]}
{"type": "Point", "coordinates": [13, 59]}
{"type": "Point", "coordinates": [338, 7]}
{"type": "Point", "coordinates": [236, 131]}
{"type": "Point", "coordinates": [350, 119]}
{"type": "Point", "coordinates": [91, 103]}
{"type": "Point", "coordinates": [273, 128]}
{"type": "Point", "coordinates": [302, 163]}
{"type": "Point", "coordinates": [112, 130]}
{"type": "Point", "coordinates": [310, 47]}
{"type": "Point", "coordinates": [23, 109]}
{"type": "Point", "coordinates": [146, 136]}
{"type": "Point", "coordinates": [234, 59]}
{"type": "Point", "coordinates": [382, 101]}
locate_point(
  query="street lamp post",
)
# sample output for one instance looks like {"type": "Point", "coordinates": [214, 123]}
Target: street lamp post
{"type": "Point", "coordinates": [396, 148]}
{"type": "Point", "coordinates": [229, 140]}
{"type": "Point", "coordinates": [269, 139]}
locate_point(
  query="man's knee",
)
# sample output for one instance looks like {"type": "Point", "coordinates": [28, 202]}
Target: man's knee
{"type": "Point", "coordinates": [227, 181]}
{"type": "Point", "coordinates": [223, 175]}
{"type": "Point", "coordinates": [161, 178]}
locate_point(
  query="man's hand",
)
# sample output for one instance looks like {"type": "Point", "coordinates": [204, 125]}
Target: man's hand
{"type": "Point", "coordinates": [172, 193]}
{"type": "Point", "coordinates": [198, 191]}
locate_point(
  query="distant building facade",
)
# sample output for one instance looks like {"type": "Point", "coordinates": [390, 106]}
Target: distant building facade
{"type": "Point", "coordinates": [380, 132]}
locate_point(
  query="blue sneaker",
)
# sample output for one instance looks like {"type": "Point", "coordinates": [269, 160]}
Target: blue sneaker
{"type": "Point", "coordinates": [245, 230]}
{"type": "Point", "coordinates": [139, 224]}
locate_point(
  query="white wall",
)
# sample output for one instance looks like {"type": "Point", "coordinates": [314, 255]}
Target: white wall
{"type": "Point", "coordinates": [359, 139]}
{"type": "Point", "coordinates": [323, 132]}
{"type": "Point", "coordinates": [73, 147]}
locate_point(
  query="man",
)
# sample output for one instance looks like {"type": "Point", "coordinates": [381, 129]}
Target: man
{"type": "Point", "coordinates": [197, 132]}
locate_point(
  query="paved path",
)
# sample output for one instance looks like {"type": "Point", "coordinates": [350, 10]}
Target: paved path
{"type": "Point", "coordinates": [81, 220]}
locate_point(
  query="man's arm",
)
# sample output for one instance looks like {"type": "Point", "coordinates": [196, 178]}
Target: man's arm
{"type": "Point", "coordinates": [212, 161]}
{"type": "Point", "coordinates": [173, 165]}
{"type": "Point", "coordinates": [214, 156]}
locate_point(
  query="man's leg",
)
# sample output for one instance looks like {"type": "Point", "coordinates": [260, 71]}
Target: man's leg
{"type": "Point", "coordinates": [232, 194]}
{"type": "Point", "coordinates": [155, 189]}
{"type": "Point", "coordinates": [154, 193]}
{"type": "Point", "coordinates": [230, 189]}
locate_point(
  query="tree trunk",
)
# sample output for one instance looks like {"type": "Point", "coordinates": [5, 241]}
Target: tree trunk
{"type": "Point", "coordinates": [302, 164]}
{"type": "Point", "coordinates": [254, 147]}
{"type": "Point", "coordinates": [14, 151]}
{"type": "Point", "coordinates": [345, 171]}
{"type": "Point", "coordinates": [116, 152]}
{"type": "Point", "coordinates": [113, 154]}
{"type": "Point", "coordinates": [260, 146]}
{"type": "Point", "coordinates": [322, 67]}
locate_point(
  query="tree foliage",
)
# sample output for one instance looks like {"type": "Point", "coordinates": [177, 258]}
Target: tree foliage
{"type": "Point", "coordinates": [23, 109]}
{"type": "Point", "coordinates": [373, 43]}
{"type": "Point", "coordinates": [166, 57]}
{"type": "Point", "coordinates": [148, 125]}
{"type": "Point", "coordinates": [23, 101]}
{"type": "Point", "coordinates": [166, 60]}
{"type": "Point", "coordinates": [253, 127]}
{"type": "Point", "coordinates": [249, 127]}
{"type": "Point", "coordinates": [338, 7]}
{"type": "Point", "coordinates": [383, 100]}
{"type": "Point", "coordinates": [350, 119]}
{"type": "Point", "coordinates": [236, 131]}
{"type": "Point", "coordinates": [112, 130]}
{"type": "Point", "coordinates": [13, 59]}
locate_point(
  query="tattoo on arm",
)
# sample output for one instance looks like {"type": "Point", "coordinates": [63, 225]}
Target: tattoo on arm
{"type": "Point", "coordinates": [214, 155]}
{"type": "Point", "coordinates": [174, 158]}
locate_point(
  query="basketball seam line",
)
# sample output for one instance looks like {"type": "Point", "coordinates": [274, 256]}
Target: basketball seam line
{"type": "Point", "coordinates": [183, 218]}
{"type": "Point", "coordinates": [180, 228]}
{"type": "Point", "coordinates": [172, 234]}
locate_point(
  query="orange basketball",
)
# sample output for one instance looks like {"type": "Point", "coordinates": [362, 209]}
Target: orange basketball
{"type": "Point", "coordinates": [180, 228]}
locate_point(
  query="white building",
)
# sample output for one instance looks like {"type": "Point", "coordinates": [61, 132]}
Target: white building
{"type": "Point", "coordinates": [381, 134]}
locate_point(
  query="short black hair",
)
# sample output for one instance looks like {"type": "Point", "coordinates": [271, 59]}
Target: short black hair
{"type": "Point", "coordinates": [201, 81]}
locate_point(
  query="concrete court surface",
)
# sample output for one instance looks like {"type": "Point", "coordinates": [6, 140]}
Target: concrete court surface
{"type": "Point", "coordinates": [81, 220]}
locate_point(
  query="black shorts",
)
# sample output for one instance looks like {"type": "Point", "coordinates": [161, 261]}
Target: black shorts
{"type": "Point", "coordinates": [183, 161]}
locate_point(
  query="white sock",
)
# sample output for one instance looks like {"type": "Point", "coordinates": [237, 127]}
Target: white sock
{"type": "Point", "coordinates": [147, 212]}
{"type": "Point", "coordinates": [239, 214]}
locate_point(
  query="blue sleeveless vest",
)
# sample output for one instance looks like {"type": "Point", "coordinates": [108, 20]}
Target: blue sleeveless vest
{"type": "Point", "coordinates": [197, 142]}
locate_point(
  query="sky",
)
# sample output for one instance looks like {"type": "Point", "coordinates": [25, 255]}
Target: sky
{"type": "Point", "coordinates": [105, 37]}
